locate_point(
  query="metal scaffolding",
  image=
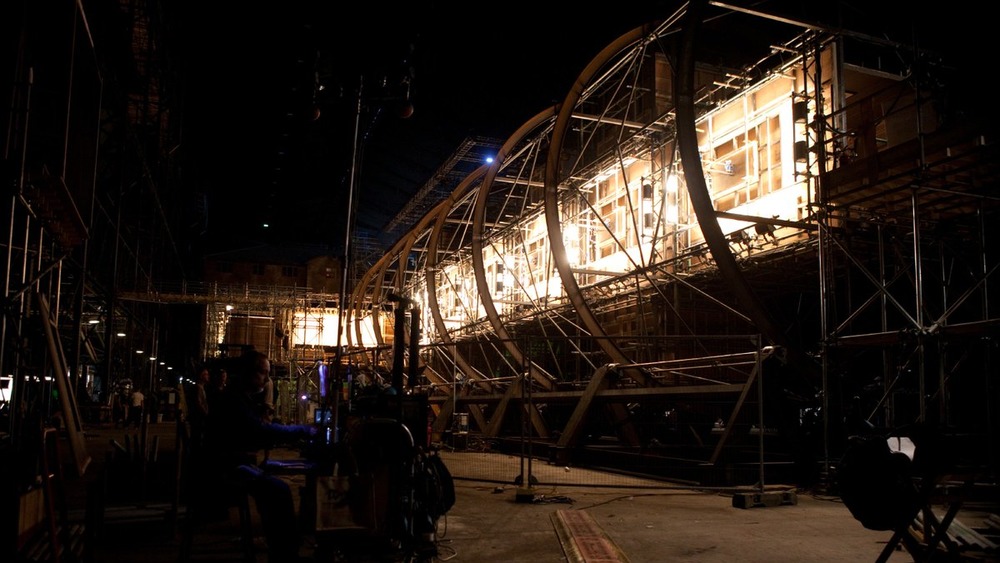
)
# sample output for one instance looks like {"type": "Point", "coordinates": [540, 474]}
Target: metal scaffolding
{"type": "Point", "coordinates": [797, 198]}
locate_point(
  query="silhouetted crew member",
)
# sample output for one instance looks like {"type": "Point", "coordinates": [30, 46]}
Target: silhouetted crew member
{"type": "Point", "coordinates": [235, 433]}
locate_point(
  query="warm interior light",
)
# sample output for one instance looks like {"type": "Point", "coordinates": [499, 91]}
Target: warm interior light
{"type": "Point", "coordinates": [121, 334]}
{"type": "Point", "coordinates": [672, 214]}
{"type": "Point", "coordinates": [671, 184]}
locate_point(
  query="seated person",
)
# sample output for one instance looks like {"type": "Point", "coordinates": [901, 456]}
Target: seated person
{"type": "Point", "coordinates": [235, 432]}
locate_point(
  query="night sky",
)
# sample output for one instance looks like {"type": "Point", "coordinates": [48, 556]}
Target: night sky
{"type": "Point", "coordinates": [270, 98]}
{"type": "Point", "coordinates": [257, 151]}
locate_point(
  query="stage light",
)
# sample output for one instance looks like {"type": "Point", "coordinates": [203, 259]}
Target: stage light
{"type": "Point", "coordinates": [671, 185]}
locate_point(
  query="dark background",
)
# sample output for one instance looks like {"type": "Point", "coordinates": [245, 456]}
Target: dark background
{"type": "Point", "coordinates": [264, 143]}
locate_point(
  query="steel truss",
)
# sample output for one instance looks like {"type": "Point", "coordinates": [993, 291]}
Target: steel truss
{"type": "Point", "coordinates": [838, 285]}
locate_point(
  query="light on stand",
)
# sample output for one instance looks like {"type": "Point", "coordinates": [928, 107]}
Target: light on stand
{"type": "Point", "coordinates": [322, 379]}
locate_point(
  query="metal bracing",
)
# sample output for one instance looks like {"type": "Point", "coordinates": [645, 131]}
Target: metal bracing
{"type": "Point", "coordinates": [467, 157]}
{"type": "Point", "coordinates": [87, 160]}
{"type": "Point", "coordinates": [596, 233]}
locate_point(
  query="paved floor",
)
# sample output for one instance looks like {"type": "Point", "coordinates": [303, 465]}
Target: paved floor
{"type": "Point", "coordinates": [637, 521]}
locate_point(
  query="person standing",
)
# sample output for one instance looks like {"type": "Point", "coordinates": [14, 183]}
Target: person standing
{"type": "Point", "coordinates": [135, 409]}
{"type": "Point", "coordinates": [216, 385]}
{"type": "Point", "coordinates": [219, 380]}
{"type": "Point", "coordinates": [267, 401]}
{"type": "Point", "coordinates": [119, 408]}
{"type": "Point", "coordinates": [152, 405]}
{"type": "Point", "coordinates": [198, 407]}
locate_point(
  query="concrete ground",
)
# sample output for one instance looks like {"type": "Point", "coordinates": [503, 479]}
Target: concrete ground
{"type": "Point", "coordinates": [623, 519]}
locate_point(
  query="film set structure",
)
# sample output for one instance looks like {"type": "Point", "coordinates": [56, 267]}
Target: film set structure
{"type": "Point", "coordinates": [725, 276]}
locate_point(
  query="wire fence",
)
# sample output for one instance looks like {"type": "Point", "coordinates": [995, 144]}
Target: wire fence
{"type": "Point", "coordinates": [511, 469]}
{"type": "Point", "coordinates": [486, 460]}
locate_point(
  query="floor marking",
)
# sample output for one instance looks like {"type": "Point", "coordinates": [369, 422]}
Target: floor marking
{"type": "Point", "coordinates": [583, 540]}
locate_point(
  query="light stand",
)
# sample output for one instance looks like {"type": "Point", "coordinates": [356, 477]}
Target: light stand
{"type": "Point", "coordinates": [344, 269]}
{"type": "Point", "coordinates": [336, 378]}
{"type": "Point", "coordinates": [399, 341]}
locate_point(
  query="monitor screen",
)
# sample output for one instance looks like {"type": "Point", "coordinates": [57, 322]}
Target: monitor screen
{"type": "Point", "coordinates": [323, 416]}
